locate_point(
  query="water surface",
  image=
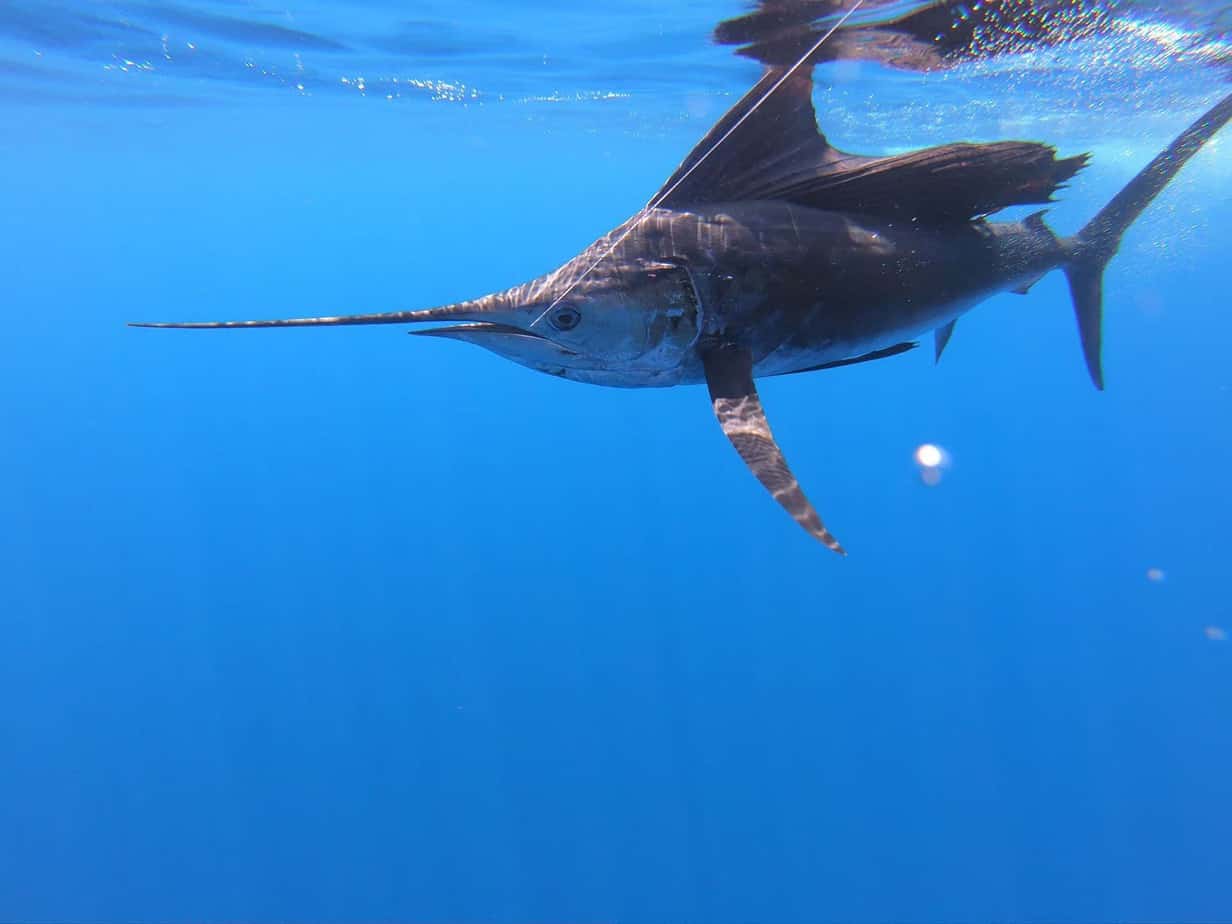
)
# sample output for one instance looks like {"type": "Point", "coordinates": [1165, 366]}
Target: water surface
{"type": "Point", "coordinates": [341, 625]}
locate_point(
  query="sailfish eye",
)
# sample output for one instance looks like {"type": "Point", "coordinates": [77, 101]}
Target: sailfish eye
{"type": "Point", "coordinates": [565, 318]}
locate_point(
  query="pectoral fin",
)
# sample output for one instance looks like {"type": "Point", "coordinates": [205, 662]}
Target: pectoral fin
{"type": "Point", "coordinates": [729, 373]}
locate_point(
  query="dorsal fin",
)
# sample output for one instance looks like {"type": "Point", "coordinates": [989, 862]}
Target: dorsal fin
{"type": "Point", "coordinates": [758, 147]}
{"type": "Point", "coordinates": [951, 182]}
{"type": "Point", "coordinates": [768, 146]}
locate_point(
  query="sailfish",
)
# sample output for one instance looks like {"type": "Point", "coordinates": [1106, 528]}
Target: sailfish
{"type": "Point", "coordinates": [771, 252]}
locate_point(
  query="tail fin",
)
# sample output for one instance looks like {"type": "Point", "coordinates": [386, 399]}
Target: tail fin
{"type": "Point", "coordinates": [1097, 243]}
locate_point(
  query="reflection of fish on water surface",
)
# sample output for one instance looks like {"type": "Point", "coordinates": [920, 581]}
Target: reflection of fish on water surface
{"type": "Point", "coordinates": [770, 252]}
{"type": "Point", "coordinates": [942, 34]}
{"type": "Point", "coordinates": [195, 52]}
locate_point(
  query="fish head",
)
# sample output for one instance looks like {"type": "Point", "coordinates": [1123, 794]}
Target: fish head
{"type": "Point", "coordinates": [633, 325]}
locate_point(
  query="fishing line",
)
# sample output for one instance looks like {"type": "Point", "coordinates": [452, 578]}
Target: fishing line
{"type": "Point", "coordinates": [657, 200]}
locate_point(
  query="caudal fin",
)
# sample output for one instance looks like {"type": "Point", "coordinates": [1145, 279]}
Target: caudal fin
{"type": "Point", "coordinates": [1097, 243]}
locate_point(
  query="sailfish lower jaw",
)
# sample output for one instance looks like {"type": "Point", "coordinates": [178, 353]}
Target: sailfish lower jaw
{"type": "Point", "coordinates": [516, 344]}
{"type": "Point", "coordinates": [541, 354]}
{"type": "Point", "coordinates": [495, 336]}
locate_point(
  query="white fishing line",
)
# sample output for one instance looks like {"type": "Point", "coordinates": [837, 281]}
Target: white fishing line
{"type": "Point", "coordinates": [657, 200]}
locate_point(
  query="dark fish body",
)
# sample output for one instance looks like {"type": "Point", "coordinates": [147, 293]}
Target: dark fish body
{"type": "Point", "coordinates": [770, 252]}
{"type": "Point", "coordinates": [805, 287]}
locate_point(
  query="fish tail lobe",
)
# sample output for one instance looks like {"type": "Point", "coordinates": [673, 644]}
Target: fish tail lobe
{"type": "Point", "coordinates": [1090, 251]}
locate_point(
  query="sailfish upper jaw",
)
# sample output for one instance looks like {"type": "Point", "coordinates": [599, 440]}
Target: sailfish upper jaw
{"type": "Point", "coordinates": [497, 307]}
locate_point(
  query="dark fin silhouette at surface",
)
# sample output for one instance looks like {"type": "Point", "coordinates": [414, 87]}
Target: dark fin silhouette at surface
{"type": "Point", "coordinates": [941, 339]}
{"type": "Point", "coordinates": [729, 374]}
{"type": "Point", "coordinates": [768, 146]}
{"type": "Point", "coordinates": [1096, 244]}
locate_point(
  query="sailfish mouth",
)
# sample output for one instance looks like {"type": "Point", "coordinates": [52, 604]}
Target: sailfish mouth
{"type": "Point", "coordinates": [492, 333]}
{"type": "Point", "coordinates": [515, 343]}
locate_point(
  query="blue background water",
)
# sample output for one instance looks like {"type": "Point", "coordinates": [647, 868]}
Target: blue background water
{"type": "Point", "coordinates": [337, 625]}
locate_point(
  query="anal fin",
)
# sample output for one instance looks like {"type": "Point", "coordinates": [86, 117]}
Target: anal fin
{"type": "Point", "coordinates": [941, 338]}
{"type": "Point", "coordinates": [729, 374]}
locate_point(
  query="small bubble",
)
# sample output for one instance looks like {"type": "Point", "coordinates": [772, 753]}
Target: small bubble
{"type": "Point", "coordinates": [1216, 634]}
{"type": "Point", "coordinates": [1155, 575]}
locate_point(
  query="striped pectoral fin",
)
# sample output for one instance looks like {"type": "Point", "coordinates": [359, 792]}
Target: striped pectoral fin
{"type": "Point", "coordinates": [729, 373]}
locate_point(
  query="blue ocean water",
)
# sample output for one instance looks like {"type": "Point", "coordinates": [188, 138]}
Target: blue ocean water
{"type": "Point", "coordinates": [308, 625]}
